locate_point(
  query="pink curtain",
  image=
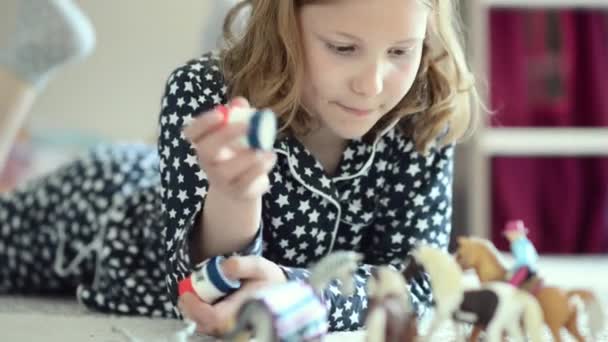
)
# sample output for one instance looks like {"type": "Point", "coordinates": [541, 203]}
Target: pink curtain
{"type": "Point", "coordinates": [550, 68]}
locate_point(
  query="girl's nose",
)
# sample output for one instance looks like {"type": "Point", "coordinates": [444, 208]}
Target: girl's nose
{"type": "Point", "coordinates": [370, 81]}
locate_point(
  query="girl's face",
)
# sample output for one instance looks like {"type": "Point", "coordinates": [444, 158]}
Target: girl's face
{"type": "Point", "coordinates": [361, 58]}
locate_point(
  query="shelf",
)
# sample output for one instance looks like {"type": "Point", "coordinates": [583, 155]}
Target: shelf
{"type": "Point", "coordinates": [544, 141]}
{"type": "Point", "coordinates": [547, 3]}
{"type": "Point", "coordinates": [489, 142]}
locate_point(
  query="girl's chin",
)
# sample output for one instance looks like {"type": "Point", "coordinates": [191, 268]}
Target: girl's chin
{"type": "Point", "coordinates": [351, 133]}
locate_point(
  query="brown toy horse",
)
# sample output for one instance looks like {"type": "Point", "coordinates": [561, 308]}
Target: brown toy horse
{"type": "Point", "coordinates": [558, 309]}
{"type": "Point", "coordinates": [390, 317]}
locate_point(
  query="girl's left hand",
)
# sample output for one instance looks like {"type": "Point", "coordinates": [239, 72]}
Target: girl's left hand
{"type": "Point", "coordinates": [255, 273]}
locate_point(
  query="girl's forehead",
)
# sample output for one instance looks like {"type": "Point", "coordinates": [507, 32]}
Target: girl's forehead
{"type": "Point", "coordinates": [387, 9]}
{"type": "Point", "coordinates": [388, 5]}
{"type": "Point", "coordinates": [428, 3]}
{"type": "Point", "coordinates": [402, 18]}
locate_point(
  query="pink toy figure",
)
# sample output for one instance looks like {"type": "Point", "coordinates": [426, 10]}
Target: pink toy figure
{"type": "Point", "coordinates": [523, 251]}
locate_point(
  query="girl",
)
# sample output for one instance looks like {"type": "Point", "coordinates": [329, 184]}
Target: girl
{"type": "Point", "coordinates": [370, 96]}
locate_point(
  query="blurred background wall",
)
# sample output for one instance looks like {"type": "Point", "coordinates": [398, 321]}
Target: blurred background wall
{"type": "Point", "coordinates": [542, 154]}
{"type": "Point", "coordinates": [115, 94]}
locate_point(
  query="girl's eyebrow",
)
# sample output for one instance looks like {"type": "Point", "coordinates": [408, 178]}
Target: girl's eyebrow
{"type": "Point", "coordinates": [405, 41]}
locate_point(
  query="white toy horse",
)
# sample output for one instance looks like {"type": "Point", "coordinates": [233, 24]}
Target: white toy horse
{"type": "Point", "coordinates": [499, 307]}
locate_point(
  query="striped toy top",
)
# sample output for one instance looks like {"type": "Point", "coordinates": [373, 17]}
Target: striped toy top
{"type": "Point", "coordinates": [298, 313]}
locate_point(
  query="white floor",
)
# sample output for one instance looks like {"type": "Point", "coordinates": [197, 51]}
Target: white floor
{"type": "Point", "coordinates": [54, 320]}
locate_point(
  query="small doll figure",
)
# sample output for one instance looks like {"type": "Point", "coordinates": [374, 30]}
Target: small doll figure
{"type": "Point", "coordinates": [523, 252]}
{"type": "Point", "coordinates": [208, 281]}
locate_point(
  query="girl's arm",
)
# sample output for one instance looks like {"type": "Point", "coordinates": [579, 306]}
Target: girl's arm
{"type": "Point", "coordinates": [194, 88]}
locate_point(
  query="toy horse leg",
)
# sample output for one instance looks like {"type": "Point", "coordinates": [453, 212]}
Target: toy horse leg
{"type": "Point", "coordinates": [573, 327]}
{"type": "Point", "coordinates": [376, 326]}
{"type": "Point", "coordinates": [459, 331]}
{"type": "Point", "coordinates": [243, 337]}
{"type": "Point", "coordinates": [555, 332]}
{"type": "Point", "coordinates": [475, 333]}
{"type": "Point", "coordinates": [493, 333]}
{"type": "Point", "coordinates": [435, 323]}
{"type": "Point", "coordinates": [514, 331]}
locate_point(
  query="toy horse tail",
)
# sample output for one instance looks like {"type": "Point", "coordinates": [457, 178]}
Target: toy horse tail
{"type": "Point", "coordinates": [593, 309]}
{"type": "Point", "coordinates": [533, 318]}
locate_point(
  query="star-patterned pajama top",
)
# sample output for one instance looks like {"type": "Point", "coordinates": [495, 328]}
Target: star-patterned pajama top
{"type": "Point", "coordinates": [115, 224]}
{"type": "Point", "coordinates": [384, 198]}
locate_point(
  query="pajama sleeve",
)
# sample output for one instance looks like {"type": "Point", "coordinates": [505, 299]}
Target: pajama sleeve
{"type": "Point", "coordinates": [190, 90]}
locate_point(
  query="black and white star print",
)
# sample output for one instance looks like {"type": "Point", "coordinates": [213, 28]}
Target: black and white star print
{"type": "Point", "coordinates": [91, 226]}
{"type": "Point", "coordinates": [116, 224]}
{"type": "Point", "coordinates": [383, 200]}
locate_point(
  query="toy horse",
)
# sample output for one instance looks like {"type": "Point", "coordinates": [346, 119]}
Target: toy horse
{"type": "Point", "coordinates": [390, 317]}
{"type": "Point", "coordinates": [558, 309]}
{"type": "Point", "coordinates": [498, 307]}
{"type": "Point", "coordinates": [294, 311]}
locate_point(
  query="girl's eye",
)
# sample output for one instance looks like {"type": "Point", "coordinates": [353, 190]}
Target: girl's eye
{"type": "Point", "coordinates": [401, 52]}
{"type": "Point", "coordinates": [341, 49]}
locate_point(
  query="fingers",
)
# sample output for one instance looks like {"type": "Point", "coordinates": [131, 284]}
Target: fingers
{"type": "Point", "coordinates": [203, 124]}
{"type": "Point", "coordinates": [213, 319]}
{"type": "Point", "coordinates": [213, 146]}
{"type": "Point", "coordinates": [244, 175]}
{"type": "Point", "coordinates": [254, 178]}
{"type": "Point", "coordinates": [211, 120]}
{"type": "Point", "coordinates": [232, 169]}
{"type": "Point", "coordinates": [239, 101]}
{"type": "Point", "coordinates": [253, 269]}
{"type": "Point", "coordinates": [228, 307]}
{"type": "Point", "coordinates": [249, 267]}
{"type": "Point", "coordinates": [230, 166]}
{"type": "Point", "coordinates": [201, 313]}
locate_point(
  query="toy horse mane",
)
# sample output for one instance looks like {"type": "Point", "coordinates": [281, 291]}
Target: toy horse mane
{"type": "Point", "coordinates": [492, 265]}
{"type": "Point", "coordinates": [445, 273]}
{"type": "Point", "coordinates": [491, 251]}
{"type": "Point", "coordinates": [386, 282]}
{"type": "Point", "coordinates": [337, 265]}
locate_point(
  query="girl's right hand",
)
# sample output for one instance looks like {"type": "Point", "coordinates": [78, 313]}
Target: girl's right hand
{"type": "Point", "coordinates": [237, 172]}
{"type": "Point", "coordinates": [204, 315]}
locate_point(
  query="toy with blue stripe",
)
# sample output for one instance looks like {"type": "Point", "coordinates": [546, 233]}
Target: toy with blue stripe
{"type": "Point", "coordinates": [208, 281]}
{"type": "Point", "coordinates": [262, 125]}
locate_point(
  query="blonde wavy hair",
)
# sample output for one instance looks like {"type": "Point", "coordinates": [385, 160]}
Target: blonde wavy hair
{"type": "Point", "coordinates": [262, 61]}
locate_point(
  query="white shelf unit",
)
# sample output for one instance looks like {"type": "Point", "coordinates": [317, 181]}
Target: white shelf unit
{"type": "Point", "coordinates": [492, 142]}
{"type": "Point", "coordinates": [546, 3]}
{"type": "Point", "coordinates": [544, 141]}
